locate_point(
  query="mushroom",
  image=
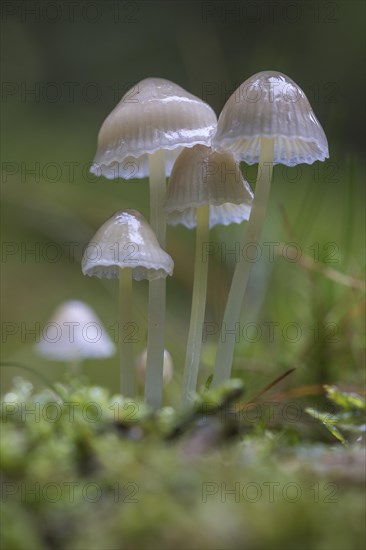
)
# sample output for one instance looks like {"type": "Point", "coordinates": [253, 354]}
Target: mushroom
{"type": "Point", "coordinates": [206, 188]}
{"type": "Point", "coordinates": [141, 361]}
{"type": "Point", "coordinates": [125, 247]}
{"type": "Point", "coordinates": [267, 120]}
{"type": "Point", "coordinates": [75, 333]}
{"type": "Point", "coordinates": [147, 130]}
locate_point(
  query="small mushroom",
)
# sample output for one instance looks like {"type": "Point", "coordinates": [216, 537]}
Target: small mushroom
{"type": "Point", "coordinates": [75, 333]}
{"type": "Point", "coordinates": [141, 362]}
{"type": "Point", "coordinates": [268, 120]}
{"type": "Point", "coordinates": [125, 247]}
{"type": "Point", "coordinates": [206, 188]}
{"type": "Point", "coordinates": [144, 134]}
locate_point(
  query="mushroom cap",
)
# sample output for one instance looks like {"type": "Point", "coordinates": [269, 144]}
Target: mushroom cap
{"type": "Point", "coordinates": [202, 176]}
{"type": "Point", "coordinates": [156, 114]}
{"type": "Point", "coordinates": [224, 214]}
{"type": "Point", "coordinates": [126, 240]}
{"type": "Point", "coordinates": [141, 363]}
{"type": "Point", "coordinates": [75, 332]}
{"type": "Point", "coordinates": [131, 168]}
{"type": "Point", "coordinates": [269, 104]}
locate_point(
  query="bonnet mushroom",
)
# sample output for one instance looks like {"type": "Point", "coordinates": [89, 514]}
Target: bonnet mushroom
{"type": "Point", "coordinates": [76, 334]}
{"type": "Point", "coordinates": [125, 247]}
{"type": "Point", "coordinates": [205, 188]}
{"type": "Point", "coordinates": [147, 129]}
{"type": "Point", "coordinates": [267, 120]}
{"type": "Point", "coordinates": [141, 361]}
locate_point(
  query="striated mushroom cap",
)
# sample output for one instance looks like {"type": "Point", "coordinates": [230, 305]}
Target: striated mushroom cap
{"type": "Point", "coordinates": [75, 332]}
{"type": "Point", "coordinates": [202, 176]}
{"type": "Point", "coordinates": [126, 240]}
{"type": "Point", "coordinates": [156, 114]}
{"type": "Point", "coordinates": [269, 104]}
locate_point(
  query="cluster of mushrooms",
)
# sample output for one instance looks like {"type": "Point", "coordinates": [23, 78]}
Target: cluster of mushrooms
{"type": "Point", "coordinates": [164, 131]}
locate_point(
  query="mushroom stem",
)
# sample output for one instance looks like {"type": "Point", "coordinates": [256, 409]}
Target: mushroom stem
{"type": "Point", "coordinates": [155, 344]}
{"type": "Point", "coordinates": [75, 366]}
{"type": "Point", "coordinates": [194, 343]}
{"type": "Point", "coordinates": [127, 367]}
{"type": "Point", "coordinates": [156, 315]}
{"type": "Point", "coordinates": [226, 344]}
{"type": "Point", "coordinates": [157, 195]}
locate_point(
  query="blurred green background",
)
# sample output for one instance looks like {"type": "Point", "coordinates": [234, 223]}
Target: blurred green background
{"type": "Point", "coordinates": [64, 67]}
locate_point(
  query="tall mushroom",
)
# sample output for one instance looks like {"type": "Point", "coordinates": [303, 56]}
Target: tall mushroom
{"type": "Point", "coordinates": [147, 130]}
{"type": "Point", "coordinates": [267, 120]}
{"type": "Point", "coordinates": [126, 248]}
{"type": "Point", "coordinates": [205, 188]}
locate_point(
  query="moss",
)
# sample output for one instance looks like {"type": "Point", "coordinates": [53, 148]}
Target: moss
{"type": "Point", "coordinates": [163, 480]}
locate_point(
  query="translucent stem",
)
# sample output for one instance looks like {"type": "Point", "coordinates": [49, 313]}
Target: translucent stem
{"type": "Point", "coordinates": [155, 344]}
{"type": "Point", "coordinates": [156, 316]}
{"type": "Point", "coordinates": [226, 344]}
{"type": "Point", "coordinates": [194, 343]}
{"type": "Point", "coordinates": [127, 366]}
{"type": "Point", "coordinates": [75, 366]}
{"type": "Point", "coordinates": [157, 195]}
